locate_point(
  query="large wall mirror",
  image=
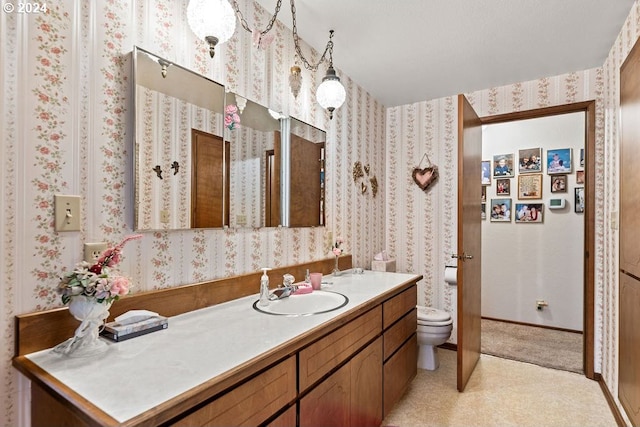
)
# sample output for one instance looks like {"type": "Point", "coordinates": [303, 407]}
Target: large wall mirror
{"type": "Point", "coordinates": [194, 171]}
{"type": "Point", "coordinates": [179, 146]}
{"type": "Point", "coordinates": [306, 168]}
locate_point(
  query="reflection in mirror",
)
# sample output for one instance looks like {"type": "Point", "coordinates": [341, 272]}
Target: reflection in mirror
{"type": "Point", "coordinates": [252, 147]}
{"type": "Point", "coordinates": [179, 149]}
{"type": "Point", "coordinates": [306, 175]}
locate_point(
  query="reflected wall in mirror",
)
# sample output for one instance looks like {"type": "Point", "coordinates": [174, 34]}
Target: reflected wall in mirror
{"type": "Point", "coordinates": [179, 162]}
{"type": "Point", "coordinates": [306, 174]}
{"type": "Point", "coordinates": [252, 148]}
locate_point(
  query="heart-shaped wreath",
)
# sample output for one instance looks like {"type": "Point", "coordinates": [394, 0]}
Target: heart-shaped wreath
{"type": "Point", "coordinates": [426, 176]}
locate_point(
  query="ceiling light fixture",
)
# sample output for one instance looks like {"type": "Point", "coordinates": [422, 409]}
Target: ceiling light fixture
{"type": "Point", "coordinates": [212, 21]}
{"type": "Point", "coordinates": [331, 94]}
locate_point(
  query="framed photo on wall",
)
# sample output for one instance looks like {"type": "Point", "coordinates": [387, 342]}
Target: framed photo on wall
{"type": "Point", "coordinates": [486, 172]}
{"type": "Point", "coordinates": [530, 186]}
{"type": "Point", "coordinates": [483, 197]}
{"type": "Point", "coordinates": [579, 177]}
{"type": "Point", "coordinates": [483, 206]}
{"type": "Point", "coordinates": [559, 161]}
{"type": "Point", "coordinates": [579, 200]}
{"type": "Point", "coordinates": [530, 160]}
{"type": "Point", "coordinates": [503, 186]}
{"type": "Point", "coordinates": [503, 165]}
{"type": "Point", "coordinates": [529, 212]}
{"type": "Point", "coordinates": [501, 210]}
{"type": "Point", "coordinates": [559, 184]}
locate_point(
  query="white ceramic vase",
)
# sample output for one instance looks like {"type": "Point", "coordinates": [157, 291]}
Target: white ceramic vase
{"type": "Point", "coordinates": [85, 341]}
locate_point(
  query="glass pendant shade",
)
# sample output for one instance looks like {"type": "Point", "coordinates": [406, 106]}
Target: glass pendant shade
{"type": "Point", "coordinates": [331, 94]}
{"type": "Point", "coordinates": [213, 21]}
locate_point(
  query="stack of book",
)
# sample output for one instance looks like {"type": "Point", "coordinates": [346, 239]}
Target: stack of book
{"type": "Point", "coordinates": [116, 331]}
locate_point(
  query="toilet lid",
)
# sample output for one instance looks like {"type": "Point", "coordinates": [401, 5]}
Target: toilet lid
{"type": "Point", "coordinates": [430, 314]}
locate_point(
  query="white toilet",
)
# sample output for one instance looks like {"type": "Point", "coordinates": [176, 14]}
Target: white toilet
{"type": "Point", "coordinates": [434, 329]}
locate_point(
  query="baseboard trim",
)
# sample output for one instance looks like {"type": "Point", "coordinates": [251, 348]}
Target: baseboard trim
{"type": "Point", "coordinates": [449, 346]}
{"type": "Point", "coordinates": [534, 325]}
{"type": "Point", "coordinates": [611, 401]}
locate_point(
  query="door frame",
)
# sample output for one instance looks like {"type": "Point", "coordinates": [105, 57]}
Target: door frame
{"type": "Point", "coordinates": [589, 108]}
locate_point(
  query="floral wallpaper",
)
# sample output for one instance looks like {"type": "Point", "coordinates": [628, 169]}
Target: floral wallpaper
{"type": "Point", "coordinates": [66, 128]}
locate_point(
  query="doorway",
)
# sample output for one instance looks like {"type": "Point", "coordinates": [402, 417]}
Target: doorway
{"type": "Point", "coordinates": [587, 247]}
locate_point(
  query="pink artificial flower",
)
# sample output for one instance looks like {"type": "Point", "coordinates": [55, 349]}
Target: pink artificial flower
{"type": "Point", "coordinates": [120, 286]}
{"type": "Point", "coordinates": [337, 251]}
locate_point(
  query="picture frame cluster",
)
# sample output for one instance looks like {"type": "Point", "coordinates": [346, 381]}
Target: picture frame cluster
{"type": "Point", "coordinates": [529, 167]}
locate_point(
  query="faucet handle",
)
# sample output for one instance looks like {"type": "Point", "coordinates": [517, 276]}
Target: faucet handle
{"type": "Point", "coordinates": [288, 280]}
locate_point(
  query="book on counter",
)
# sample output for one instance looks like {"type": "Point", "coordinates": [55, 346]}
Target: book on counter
{"type": "Point", "coordinates": [120, 331]}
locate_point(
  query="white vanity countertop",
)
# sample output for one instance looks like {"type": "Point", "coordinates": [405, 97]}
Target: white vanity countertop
{"type": "Point", "coordinates": [136, 375]}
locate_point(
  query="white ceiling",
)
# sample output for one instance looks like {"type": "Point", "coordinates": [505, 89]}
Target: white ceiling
{"type": "Point", "coordinates": [404, 51]}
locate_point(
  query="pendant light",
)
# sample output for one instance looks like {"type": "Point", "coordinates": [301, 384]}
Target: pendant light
{"type": "Point", "coordinates": [331, 94]}
{"type": "Point", "coordinates": [213, 21]}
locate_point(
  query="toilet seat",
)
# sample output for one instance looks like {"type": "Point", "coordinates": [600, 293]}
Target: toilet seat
{"type": "Point", "coordinates": [429, 316]}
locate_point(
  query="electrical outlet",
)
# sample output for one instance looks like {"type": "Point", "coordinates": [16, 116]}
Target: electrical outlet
{"type": "Point", "coordinates": [92, 251]}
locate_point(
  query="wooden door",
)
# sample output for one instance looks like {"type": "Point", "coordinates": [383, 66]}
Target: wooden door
{"type": "Point", "coordinates": [469, 244]}
{"type": "Point", "coordinates": [629, 338]}
{"type": "Point", "coordinates": [208, 181]}
{"type": "Point", "coordinates": [305, 191]}
{"type": "Point", "coordinates": [273, 216]}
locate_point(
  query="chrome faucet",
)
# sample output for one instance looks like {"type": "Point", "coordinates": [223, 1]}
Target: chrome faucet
{"type": "Point", "coordinates": [285, 290]}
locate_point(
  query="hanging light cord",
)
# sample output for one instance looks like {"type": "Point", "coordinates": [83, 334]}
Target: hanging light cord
{"type": "Point", "coordinates": [296, 42]}
{"type": "Point", "coordinates": [244, 23]}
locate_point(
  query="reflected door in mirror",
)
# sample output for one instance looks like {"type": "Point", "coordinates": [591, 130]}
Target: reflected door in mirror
{"type": "Point", "coordinates": [208, 181]}
{"type": "Point", "coordinates": [306, 183]}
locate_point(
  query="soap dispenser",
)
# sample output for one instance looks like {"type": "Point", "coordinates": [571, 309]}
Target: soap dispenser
{"type": "Point", "coordinates": [264, 287]}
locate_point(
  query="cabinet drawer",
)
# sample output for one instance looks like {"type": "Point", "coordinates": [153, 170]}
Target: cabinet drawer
{"type": "Point", "coordinates": [399, 332]}
{"type": "Point", "coordinates": [322, 356]}
{"type": "Point", "coordinates": [398, 372]}
{"type": "Point", "coordinates": [252, 402]}
{"type": "Point", "coordinates": [398, 306]}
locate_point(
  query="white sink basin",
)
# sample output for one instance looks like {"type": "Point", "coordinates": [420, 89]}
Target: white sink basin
{"type": "Point", "coordinates": [304, 305]}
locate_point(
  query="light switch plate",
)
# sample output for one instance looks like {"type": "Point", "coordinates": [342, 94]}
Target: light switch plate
{"type": "Point", "coordinates": [67, 212]}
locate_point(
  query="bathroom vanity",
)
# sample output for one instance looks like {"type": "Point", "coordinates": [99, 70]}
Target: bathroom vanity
{"type": "Point", "coordinates": [229, 364]}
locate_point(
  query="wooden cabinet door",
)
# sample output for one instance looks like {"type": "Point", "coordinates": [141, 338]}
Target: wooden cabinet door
{"type": "Point", "coordinates": [366, 386]}
{"type": "Point", "coordinates": [399, 371]}
{"type": "Point", "coordinates": [328, 403]}
{"type": "Point", "coordinates": [251, 403]}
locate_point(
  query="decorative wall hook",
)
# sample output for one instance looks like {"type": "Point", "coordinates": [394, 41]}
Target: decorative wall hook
{"type": "Point", "coordinates": [175, 166]}
{"type": "Point", "coordinates": [158, 171]}
{"type": "Point", "coordinates": [363, 188]}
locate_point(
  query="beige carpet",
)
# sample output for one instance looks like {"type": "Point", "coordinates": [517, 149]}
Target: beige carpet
{"type": "Point", "coordinates": [501, 393]}
{"type": "Point", "coordinates": [542, 346]}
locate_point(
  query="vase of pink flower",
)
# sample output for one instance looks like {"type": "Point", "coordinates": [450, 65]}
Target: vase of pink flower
{"type": "Point", "coordinates": [337, 251]}
{"type": "Point", "coordinates": [90, 289]}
